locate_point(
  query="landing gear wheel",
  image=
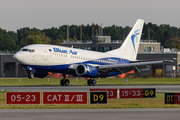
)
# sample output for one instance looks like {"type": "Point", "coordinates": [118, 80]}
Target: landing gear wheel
{"type": "Point", "coordinates": [62, 82]}
{"type": "Point", "coordinates": [89, 82]}
{"type": "Point", "coordinates": [93, 82]}
{"type": "Point", "coordinates": [30, 76]}
{"type": "Point", "coordinates": [66, 82]}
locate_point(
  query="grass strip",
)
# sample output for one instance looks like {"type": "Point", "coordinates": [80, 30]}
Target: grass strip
{"type": "Point", "coordinates": [82, 81]}
{"type": "Point", "coordinates": [157, 102]}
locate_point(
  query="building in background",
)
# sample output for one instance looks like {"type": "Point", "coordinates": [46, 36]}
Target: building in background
{"type": "Point", "coordinates": [149, 46]}
{"type": "Point", "coordinates": [104, 44]}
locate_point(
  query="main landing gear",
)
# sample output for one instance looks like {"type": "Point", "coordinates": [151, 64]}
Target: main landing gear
{"type": "Point", "coordinates": [64, 82]}
{"type": "Point", "coordinates": [91, 82]}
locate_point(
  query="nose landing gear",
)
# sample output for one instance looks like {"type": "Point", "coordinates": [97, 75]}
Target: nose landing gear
{"type": "Point", "coordinates": [31, 76]}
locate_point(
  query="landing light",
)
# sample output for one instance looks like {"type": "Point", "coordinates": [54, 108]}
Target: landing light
{"type": "Point", "coordinates": [71, 66]}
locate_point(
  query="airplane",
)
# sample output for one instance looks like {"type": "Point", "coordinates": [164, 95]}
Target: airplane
{"type": "Point", "coordinates": [39, 59]}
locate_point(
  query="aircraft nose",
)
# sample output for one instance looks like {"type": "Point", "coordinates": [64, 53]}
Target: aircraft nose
{"type": "Point", "coordinates": [18, 57]}
{"type": "Point", "coordinates": [14, 56]}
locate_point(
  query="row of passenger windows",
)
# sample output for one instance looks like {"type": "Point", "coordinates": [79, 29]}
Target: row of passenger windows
{"type": "Point", "coordinates": [60, 55]}
{"type": "Point", "coordinates": [91, 59]}
{"type": "Point", "coordinates": [82, 58]}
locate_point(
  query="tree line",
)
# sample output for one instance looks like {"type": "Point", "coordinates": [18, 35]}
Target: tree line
{"type": "Point", "coordinates": [167, 35]}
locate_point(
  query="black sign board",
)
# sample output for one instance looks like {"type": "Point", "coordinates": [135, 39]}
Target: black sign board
{"type": "Point", "coordinates": [98, 97]}
{"type": "Point", "coordinates": [149, 93]}
{"type": "Point", "coordinates": [169, 98]}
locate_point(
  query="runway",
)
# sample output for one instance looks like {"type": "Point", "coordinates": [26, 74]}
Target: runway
{"type": "Point", "coordinates": [159, 88]}
{"type": "Point", "coordinates": [90, 114]}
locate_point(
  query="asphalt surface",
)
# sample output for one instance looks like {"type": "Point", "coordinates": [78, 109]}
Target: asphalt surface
{"type": "Point", "coordinates": [159, 88]}
{"type": "Point", "coordinates": [91, 114]}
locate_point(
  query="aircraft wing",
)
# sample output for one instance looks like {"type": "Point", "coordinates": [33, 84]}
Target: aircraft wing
{"type": "Point", "coordinates": [126, 67]}
{"type": "Point", "coordinates": [120, 67]}
{"type": "Point", "coordinates": [129, 64]}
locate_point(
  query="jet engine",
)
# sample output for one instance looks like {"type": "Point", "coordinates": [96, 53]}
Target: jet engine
{"type": "Point", "coordinates": [86, 70]}
{"type": "Point", "coordinates": [40, 74]}
{"type": "Point", "coordinates": [31, 72]}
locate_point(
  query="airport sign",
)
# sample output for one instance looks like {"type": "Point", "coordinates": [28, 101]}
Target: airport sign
{"type": "Point", "coordinates": [98, 97]}
{"type": "Point", "coordinates": [23, 98]}
{"type": "Point", "coordinates": [137, 93]}
{"type": "Point", "coordinates": [149, 93]}
{"type": "Point", "coordinates": [172, 98]}
{"type": "Point", "coordinates": [64, 97]}
{"type": "Point", "coordinates": [112, 93]}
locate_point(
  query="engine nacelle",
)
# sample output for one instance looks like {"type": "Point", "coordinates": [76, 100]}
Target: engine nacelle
{"type": "Point", "coordinates": [86, 70]}
{"type": "Point", "coordinates": [40, 74]}
{"type": "Point", "coordinates": [29, 70]}
{"type": "Point", "coordinates": [36, 73]}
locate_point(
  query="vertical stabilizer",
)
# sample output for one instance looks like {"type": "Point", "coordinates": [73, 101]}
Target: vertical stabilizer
{"type": "Point", "coordinates": [130, 46]}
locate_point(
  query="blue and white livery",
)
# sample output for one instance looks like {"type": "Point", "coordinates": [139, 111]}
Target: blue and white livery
{"type": "Point", "coordinates": [39, 59]}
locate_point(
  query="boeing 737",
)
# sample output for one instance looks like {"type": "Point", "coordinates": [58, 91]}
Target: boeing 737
{"type": "Point", "coordinates": [39, 59]}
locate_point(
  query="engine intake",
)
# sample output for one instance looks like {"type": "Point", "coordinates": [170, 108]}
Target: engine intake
{"type": "Point", "coordinates": [86, 70]}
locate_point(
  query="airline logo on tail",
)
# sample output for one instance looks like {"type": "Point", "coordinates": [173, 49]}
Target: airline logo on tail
{"type": "Point", "coordinates": [134, 36]}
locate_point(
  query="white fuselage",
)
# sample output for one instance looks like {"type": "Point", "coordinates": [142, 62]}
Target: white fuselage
{"type": "Point", "coordinates": [58, 58]}
{"type": "Point", "coordinates": [46, 55]}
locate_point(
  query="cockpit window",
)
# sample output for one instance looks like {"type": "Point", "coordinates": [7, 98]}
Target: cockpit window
{"type": "Point", "coordinates": [31, 50]}
{"type": "Point", "coordinates": [24, 49]}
